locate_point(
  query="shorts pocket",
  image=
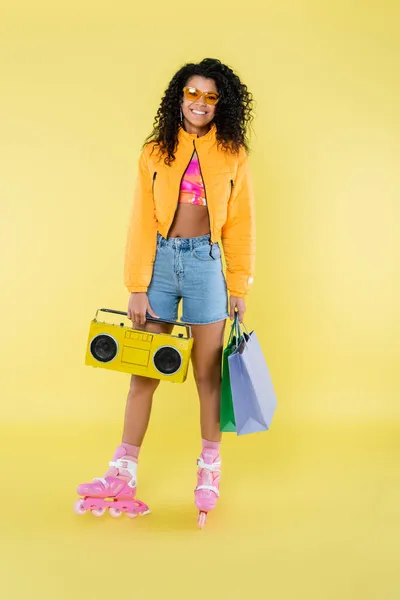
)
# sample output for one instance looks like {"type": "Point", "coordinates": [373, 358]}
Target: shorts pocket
{"type": "Point", "coordinates": [207, 252]}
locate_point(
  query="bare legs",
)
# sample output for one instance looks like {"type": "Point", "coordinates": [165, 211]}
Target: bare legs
{"type": "Point", "coordinates": [140, 397]}
{"type": "Point", "coordinates": [206, 360]}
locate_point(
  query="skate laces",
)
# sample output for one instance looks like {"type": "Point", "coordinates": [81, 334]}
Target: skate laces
{"type": "Point", "coordinates": [122, 464]}
{"type": "Point", "coordinates": [214, 467]}
{"type": "Point", "coordinates": [126, 465]}
{"type": "Point", "coordinates": [206, 474]}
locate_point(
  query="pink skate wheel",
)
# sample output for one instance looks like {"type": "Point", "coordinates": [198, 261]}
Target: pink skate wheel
{"type": "Point", "coordinates": [79, 507]}
{"type": "Point", "coordinates": [201, 521]}
{"type": "Point", "coordinates": [98, 512]}
{"type": "Point", "coordinates": [132, 515]}
{"type": "Point", "coordinates": [115, 512]}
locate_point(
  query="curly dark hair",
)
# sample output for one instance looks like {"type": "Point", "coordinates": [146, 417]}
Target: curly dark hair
{"type": "Point", "coordinates": [233, 111]}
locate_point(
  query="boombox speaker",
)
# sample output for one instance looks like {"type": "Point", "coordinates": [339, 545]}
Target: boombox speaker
{"type": "Point", "coordinates": [120, 348]}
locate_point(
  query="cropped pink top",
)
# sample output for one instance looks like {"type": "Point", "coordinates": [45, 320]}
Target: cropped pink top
{"type": "Point", "coordinates": [192, 186]}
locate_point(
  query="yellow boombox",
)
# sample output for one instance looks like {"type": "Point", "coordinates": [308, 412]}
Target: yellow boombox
{"type": "Point", "coordinates": [118, 347]}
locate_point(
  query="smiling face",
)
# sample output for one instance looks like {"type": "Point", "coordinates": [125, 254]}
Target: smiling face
{"type": "Point", "coordinates": [198, 114]}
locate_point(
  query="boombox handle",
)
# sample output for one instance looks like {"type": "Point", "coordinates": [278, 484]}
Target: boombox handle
{"type": "Point", "coordinates": [125, 314]}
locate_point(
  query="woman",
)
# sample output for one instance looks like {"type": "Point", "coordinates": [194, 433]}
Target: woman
{"type": "Point", "coordinates": [193, 188]}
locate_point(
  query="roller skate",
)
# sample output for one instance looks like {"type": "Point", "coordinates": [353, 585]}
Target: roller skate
{"type": "Point", "coordinates": [115, 491]}
{"type": "Point", "coordinates": [207, 490]}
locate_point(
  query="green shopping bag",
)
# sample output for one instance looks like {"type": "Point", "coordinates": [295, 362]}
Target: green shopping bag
{"type": "Point", "coordinates": [227, 418]}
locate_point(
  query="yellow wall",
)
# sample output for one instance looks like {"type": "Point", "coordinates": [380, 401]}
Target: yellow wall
{"type": "Point", "coordinates": [80, 89]}
{"type": "Point", "coordinates": [80, 85]}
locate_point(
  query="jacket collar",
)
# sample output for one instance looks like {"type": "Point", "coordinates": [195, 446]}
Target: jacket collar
{"type": "Point", "coordinates": [209, 136]}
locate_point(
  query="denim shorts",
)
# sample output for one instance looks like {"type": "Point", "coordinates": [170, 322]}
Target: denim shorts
{"type": "Point", "coordinates": [188, 269]}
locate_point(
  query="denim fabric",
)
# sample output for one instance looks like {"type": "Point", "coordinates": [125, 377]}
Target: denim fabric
{"type": "Point", "coordinates": [189, 269]}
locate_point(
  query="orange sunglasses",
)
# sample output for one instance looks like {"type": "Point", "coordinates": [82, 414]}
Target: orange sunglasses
{"type": "Point", "coordinates": [192, 94]}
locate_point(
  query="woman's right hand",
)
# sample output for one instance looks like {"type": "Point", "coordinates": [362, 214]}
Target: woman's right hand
{"type": "Point", "coordinates": [138, 306]}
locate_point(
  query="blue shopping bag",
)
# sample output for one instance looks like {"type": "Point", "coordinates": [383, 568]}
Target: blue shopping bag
{"type": "Point", "coordinates": [253, 395]}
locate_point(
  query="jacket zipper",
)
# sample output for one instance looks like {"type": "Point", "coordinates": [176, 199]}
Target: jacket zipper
{"type": "Point", "coordinates": [154, 180]}
{"type": "Point", "coordinates": [205, 195]}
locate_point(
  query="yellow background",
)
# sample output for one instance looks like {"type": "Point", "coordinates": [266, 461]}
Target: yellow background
{"type": "Point", "coordinates": [310, 509]}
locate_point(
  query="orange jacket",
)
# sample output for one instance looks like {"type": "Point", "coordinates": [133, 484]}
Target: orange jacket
{"type": "Point", "coordinates": [229, 193]}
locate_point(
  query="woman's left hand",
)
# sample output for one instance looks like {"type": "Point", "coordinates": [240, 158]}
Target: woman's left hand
{"type": "Point", "coordinates": [240, 305]}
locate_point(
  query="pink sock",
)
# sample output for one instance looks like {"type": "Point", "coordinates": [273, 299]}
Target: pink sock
{"type": "Point", "coordinates": [132, 450]}
{"type": "Point", "coordinates": [210, 448]}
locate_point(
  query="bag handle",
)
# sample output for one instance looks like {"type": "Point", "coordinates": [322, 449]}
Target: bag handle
{"type": "Point", "coordinates": [125, 314]}
{"type": "Point", "coordinates": [234, 329]}
{"type": "Point", "coordinates": [239, 328]}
